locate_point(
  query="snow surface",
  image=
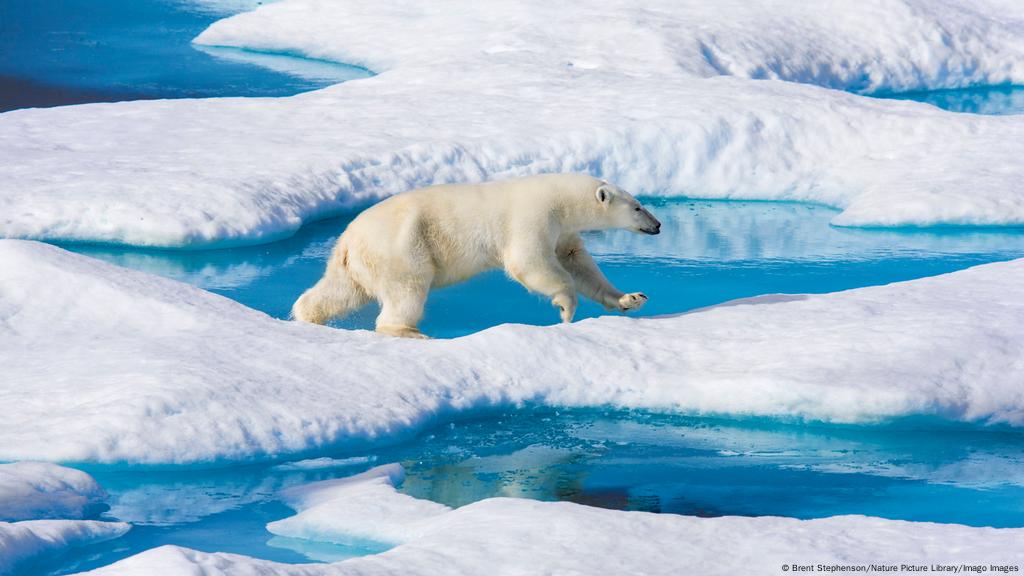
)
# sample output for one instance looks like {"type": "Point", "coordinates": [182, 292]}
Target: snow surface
{"type": "Point", "coordinates": [38, 490]}
{"type": "Point", "coordinates": [22, 542]}
{"type": "Point", "coordinates": [107, 364]}
{"type": "Point", "coordinates": [519, 536]}
{"type": "Point", "coordinates": [663, 97]}
{"type": "Point", "coordinates": [361, 507]}
{"type": "Point", "coordinates": [893, 45]}
{"type": "Point", "coordinates": [31, 495]}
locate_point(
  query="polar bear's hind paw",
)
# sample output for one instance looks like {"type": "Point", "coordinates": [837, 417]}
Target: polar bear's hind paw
{"type": "Point", "coordinates": [402, 332]}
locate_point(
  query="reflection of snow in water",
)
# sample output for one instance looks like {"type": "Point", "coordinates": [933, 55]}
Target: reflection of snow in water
{"type": "Point", "coordinates": [190, 498]}
{"type": "Point", "coordinates": [717, 231]}
{"type": "Point", "coordinates": [911, 455]}
{"type": "Point", "coordinates": [978, 470]}
{"type": "Point", "coordinates": [317, 70]}
{"type": "Point", "coordinates": [323, 463]}
{"type": "Point", "coordinates": [222, 7]}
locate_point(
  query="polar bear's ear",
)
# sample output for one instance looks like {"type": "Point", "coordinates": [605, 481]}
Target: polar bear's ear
{"type": "Point", "coordinates": [603, 194]}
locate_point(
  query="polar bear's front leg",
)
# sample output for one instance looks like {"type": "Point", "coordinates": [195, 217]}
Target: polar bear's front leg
{"type": "Point", "coordinates": [591, 282]}
{"type": "Point", "coordinates": [632, 301]}
{"type": "Point", "coordinates": [544, 275]}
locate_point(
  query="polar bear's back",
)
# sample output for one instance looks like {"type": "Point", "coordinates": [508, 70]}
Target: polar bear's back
{"type": "Point", "coordinates": [459, 230]}
{"type": "Point", "coordinates": [471, 206]}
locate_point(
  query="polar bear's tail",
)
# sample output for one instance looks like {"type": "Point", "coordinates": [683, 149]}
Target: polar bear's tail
{"type": "Point", "coordinates": [334, 295]}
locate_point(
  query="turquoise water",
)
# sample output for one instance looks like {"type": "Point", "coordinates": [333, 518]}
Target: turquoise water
{"type": "Point", "coordinates": [618, 459]}
{"type": "Point", "coordinates": [996, 100]}
{"type": "Point", "coordinates": [72, 51]}
{"type": "Point", "coordinates": [707, 253]}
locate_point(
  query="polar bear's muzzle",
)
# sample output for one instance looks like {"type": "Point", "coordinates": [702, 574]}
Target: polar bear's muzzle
{"type": "Point", "coordinates": [651, 226]}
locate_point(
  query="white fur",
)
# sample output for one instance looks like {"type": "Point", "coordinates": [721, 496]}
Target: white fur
{"type": "Point", "coordinates": [399, 249]}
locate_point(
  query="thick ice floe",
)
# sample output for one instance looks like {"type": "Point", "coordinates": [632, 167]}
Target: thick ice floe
{"type": "Point", "coordinates": [663, 97]}
{"type": "Point", "coordinates": [894, 45]}
{"type": "Point", "coordinates": [22, 542]}
{"type": "Point", "coordinates": [38, 490]}
{"type": "Point", "coordinates": [518, 536]}
{"type": "Point", "coordinates": [107, 364]}
{"type": "Point", "coordinates": [364, 506]}
{"type": "Point", "coordinates": [35, 492]}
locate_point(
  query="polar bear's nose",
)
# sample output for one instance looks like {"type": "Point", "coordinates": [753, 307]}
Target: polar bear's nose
{"type": "Point", "coordinates": [655, 225]}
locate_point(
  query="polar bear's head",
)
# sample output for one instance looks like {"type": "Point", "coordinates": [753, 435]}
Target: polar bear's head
{"type": "Point", "coordinates": [621, 210]}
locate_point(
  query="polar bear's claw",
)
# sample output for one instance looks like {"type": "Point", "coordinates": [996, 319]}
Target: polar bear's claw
{"type": "Point", "coordinates": [632, 301]}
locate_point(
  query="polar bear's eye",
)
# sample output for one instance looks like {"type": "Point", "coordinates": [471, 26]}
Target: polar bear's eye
{"type": "Point", "coordinates": [637, 209]}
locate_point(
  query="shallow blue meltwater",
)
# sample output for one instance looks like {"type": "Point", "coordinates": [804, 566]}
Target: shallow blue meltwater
{"type": "Point", "coordinates": [708, 252]}
{"type": "Point", "coordinates": [993, 100]}
{"type": "Point", "coordinates": [614, 459]}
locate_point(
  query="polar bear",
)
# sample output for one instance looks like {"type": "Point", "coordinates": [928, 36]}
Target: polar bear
{"type": "Point", "coordinates": [396, 251]}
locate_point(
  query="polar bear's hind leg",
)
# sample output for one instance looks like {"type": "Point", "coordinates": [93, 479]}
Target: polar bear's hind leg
{"type": "Point", "coordinates": [401, 307]}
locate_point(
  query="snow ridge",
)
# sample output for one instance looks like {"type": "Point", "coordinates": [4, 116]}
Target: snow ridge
{"type": "Point", "coordinates": [665, 98]}
{"type": "Point", "coordinates": [23, 542]}
{"type": "Point", "coordinates": [162, 372]}
{"type": "Point", "coordinates": [38, 490]}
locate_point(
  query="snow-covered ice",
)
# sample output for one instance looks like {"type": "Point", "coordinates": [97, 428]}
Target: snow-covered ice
{"type": "Point", "coordinates": [32, 494]}
{"type": "Point", "coordinates": [890, 45]}
{"type": "Point", "coordinates": [138, 368]}
{"type": "Point", "coordinates": [22, 542]}
{"type": "Point", "coordinates": [519, 536]}
{"type": "Point", "coordinates": [38, 490]}
{"type": "Point", "coordinates": [363, 507]}
{"type": "Point", "coordinates": [663, 97]}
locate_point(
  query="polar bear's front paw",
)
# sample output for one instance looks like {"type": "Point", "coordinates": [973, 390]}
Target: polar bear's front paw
{"type": "Point", "coordinates": [632, 301]}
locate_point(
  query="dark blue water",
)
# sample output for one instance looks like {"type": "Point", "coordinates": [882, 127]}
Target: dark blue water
{"type": "Point", "coordinates": [619, 459]}
{"type": "Point", "coordinates": [997, 100]}
{"type": "Point", "coordinates": [707, 253]}
{"type": "Point", "coordinates": [58, 52]}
